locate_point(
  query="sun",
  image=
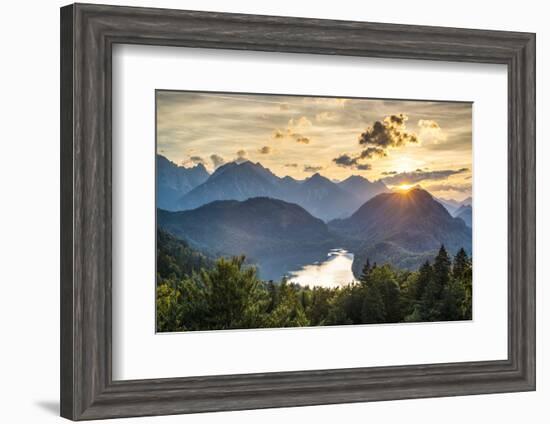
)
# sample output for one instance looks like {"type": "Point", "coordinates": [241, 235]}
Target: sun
{"type": "Point", "coordinates": [404, 187]}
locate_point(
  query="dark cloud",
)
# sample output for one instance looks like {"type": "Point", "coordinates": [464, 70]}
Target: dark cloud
{"type": "Point", "coordinates": [390, 132]}
{"type": "Point", "coordinates": [347, 161]}
{"type": "Point", "coordinates": [417, 176]}
{"type": "Point", "coordinates": [241, 156]}
{"type": "Point", "coordinates": [217, 160]}
{"type": "Point", "coordinates": [310, 168]}
{"type": "Point", "coordinates": [301, 139]}
{"type": "Point", "coordinates": [197, 159]}
{"type": "Point", "coordinates": [371, 152]}
{"type": "Point", "coordinates": [291, 165]}
{"type": "Point", "coordinates": [266, 150]}
{"type": "Point", "coordinates": [389, 172]}
{"type": "Point", "coordinates": [363, 166]}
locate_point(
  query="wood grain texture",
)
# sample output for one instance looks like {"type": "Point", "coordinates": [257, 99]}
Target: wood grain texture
{"type": "Point", "coordinates": [88, 33]}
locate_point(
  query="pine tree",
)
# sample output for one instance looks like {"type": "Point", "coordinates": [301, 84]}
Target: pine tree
{"type": "Point", "coordinates": [432, 299]}
{"type": "Point", "coordinates": [453, 298]}
{"type": "Point", "coordinates": [425, 276]}
{"type": "Point", "coordinates": [365, 272]}
{"type": "Point", "coordinates": [442, 269]}
{"type": "Point", "coordinates": [373, 310]}
{"type": "Point", "coordinates": [461, 263]}
{"type": "Point", "coordinates": [427, 291]}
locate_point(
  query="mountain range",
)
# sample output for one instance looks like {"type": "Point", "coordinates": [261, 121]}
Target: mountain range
{"type": "Point", "coordinates": [318, 195]}
{"type": "Point", "coordinates": [404, 229]}
{"type": "Point", "coordinates": [453, 205]}
{"type": "Point", "coordinates": [281, 223]}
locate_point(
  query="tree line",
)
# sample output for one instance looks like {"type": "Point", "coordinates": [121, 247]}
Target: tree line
{"type": "Point", "coordinates": [195, 292]}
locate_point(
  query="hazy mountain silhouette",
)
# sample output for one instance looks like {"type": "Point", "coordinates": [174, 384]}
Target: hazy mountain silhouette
{"type": "Point", "coordinates": [450, 204]}
{"type": "Point", "coordinates": [174, 181]}
{"type": "Point", "coordinates": [232, 181]}
{"type": "Point", "coordinates": [465, 213]}
{"type": "Point", "coordinates": [322, 198]}
{"type": "Point", "coordinates": [362, 188]}
{"type": "Point", "coordinates": [318, 195]}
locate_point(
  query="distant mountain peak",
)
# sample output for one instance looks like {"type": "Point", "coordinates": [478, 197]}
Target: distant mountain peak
{"type": "Point", "coordinates": [174, 181]}
{"type": "Point", "coordinates": [247, 162]}
{"type": "Point", "coordinates": [318, 177]}
{"type": "Point", "coordinates": [355, 178]}
{"type": "Point", "coordinates": [199, 166]}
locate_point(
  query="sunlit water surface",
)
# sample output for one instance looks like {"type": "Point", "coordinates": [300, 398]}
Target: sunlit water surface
{"type": "Point", "coordinates": [334, 271]}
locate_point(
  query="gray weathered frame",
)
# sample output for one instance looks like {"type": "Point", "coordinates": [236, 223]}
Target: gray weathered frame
{"type": "Point", "coordinates": [88, 33]}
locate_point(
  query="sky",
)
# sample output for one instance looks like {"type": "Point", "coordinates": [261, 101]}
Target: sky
{"type": "Point", "coordinates": [401, 142]}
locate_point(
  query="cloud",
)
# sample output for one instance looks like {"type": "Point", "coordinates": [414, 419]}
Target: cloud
{"type": "Point", "coordinates": [419, 175]}
{"type": "Point", "coordinates": [266, 150]}
{"type": "Point", "coordinates": [347, 161]}
{"type": "Point", "coordinates": [389, 172]}
{"type": "Point", "coordinates": [278, 134]}
{"type": "Point", "coordinates": [363, 166]}
{"type": "Point", "coordinates": [311, 168]}
{"type": "Point", "coordinates": [291, 165]}
{"type": "Point", "coordinates": [371, 152]}
{"type": "Point", "coordinates": [461, 188]}
{"type": "Point", "coordinates": [325, 117]}
{"type": "Point", "coordinates": [283, 106]}
{"type": "Point", "coordinates": [197, 159]}
{"type": "Point", "coordinates": [302, 121]}
{"type": "Point", "coordinates": [241, 156]}
{"type": "Point", "coordinates": [390, 132]}
{"type": "Point", "coordinates": [217, 160]}
{"type": "Point", "coordinates": [430, 131]}
{"type": "Point", "coordinates": [428, 123]}
{"type": "Point", "coordinates": [289, 132]}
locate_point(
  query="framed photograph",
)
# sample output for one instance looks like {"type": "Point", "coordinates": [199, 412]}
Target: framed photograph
{"type": "Point", "coordinates": [263, 211]}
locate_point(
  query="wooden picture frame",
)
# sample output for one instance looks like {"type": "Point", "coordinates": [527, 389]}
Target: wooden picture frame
{"type": "Point", "coordinates": [88, 33]}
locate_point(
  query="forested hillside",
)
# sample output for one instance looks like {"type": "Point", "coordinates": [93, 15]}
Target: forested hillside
{"type": "Point", "coordinates": [194, 293]}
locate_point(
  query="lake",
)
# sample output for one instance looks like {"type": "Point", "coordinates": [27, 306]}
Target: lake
{"type": "Point", "coordinates": [334, 271]}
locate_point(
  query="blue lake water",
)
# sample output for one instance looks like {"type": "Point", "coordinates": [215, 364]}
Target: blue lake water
{"type": "Point", "coordinates": [334, 271]}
